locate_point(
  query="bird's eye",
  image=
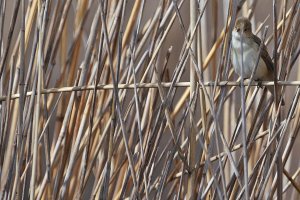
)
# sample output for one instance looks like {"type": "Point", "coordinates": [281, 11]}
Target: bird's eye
{"type": "Point", "coordinates": [246, 29]}
{"type": "Point", "coordinates": [237, 29]}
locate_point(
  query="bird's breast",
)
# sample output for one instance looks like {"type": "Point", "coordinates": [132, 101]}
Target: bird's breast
{"type": "Point", "coordinates": [250, 56]}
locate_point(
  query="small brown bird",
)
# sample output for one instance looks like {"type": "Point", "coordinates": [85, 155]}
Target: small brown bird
{"type": "Point", "coordinates": [243, 33]}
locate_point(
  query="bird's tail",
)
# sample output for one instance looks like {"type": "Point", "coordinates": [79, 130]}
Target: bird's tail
{"type": "Point", "coordinates": [271, 90]}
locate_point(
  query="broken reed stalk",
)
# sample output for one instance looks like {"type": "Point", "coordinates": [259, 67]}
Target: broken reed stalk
{"type": "Point", "coordinates": [99, 100]}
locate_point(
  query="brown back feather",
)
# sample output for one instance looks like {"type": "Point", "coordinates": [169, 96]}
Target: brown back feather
{"type": "Point", "coordinates": [264, 53]}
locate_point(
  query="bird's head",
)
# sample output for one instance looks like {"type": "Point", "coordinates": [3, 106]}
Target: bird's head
{"type": "Point", "coordinates": [242, 28]}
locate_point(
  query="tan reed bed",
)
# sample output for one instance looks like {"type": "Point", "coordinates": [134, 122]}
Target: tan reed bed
{"type": "Point", "coordinates": [138, 100]}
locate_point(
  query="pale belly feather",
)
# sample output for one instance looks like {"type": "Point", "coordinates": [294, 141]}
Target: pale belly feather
{"type": "Point", "coordinates": [250, 55]}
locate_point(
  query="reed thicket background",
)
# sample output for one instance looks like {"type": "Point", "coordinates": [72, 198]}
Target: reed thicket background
{"type": "Point", "coordinates": [137, 99]}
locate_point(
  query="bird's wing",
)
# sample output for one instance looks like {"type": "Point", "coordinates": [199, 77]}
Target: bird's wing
{"type": "Point", "coordinates": [264, 53]}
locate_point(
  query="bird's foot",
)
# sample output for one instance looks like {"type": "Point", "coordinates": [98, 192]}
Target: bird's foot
{"type": "Point", "coordinates": [259, 84]}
